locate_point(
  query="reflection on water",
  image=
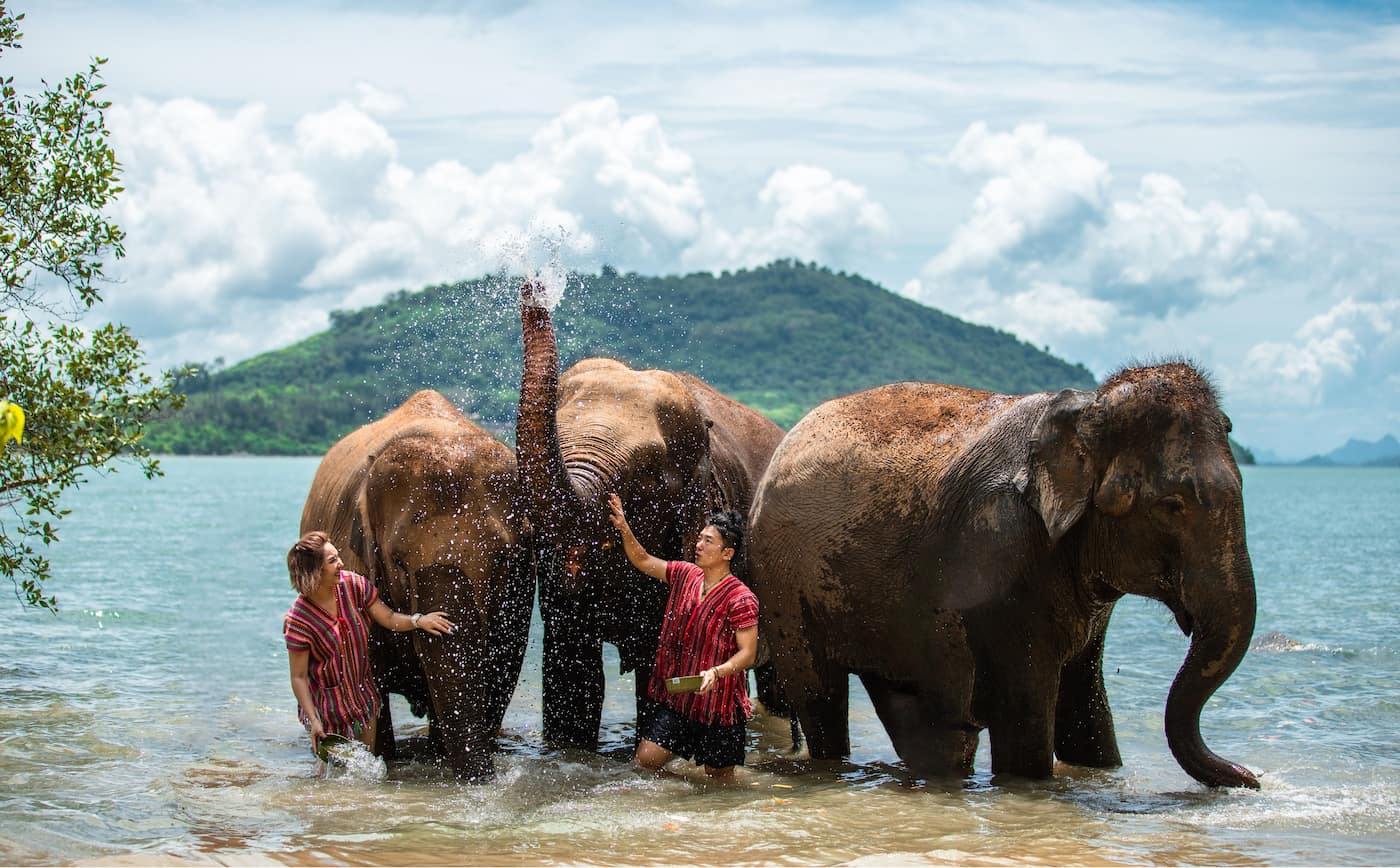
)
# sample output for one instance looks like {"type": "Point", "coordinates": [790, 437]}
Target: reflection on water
{"type": "Point", "coordinates": [152, 720]}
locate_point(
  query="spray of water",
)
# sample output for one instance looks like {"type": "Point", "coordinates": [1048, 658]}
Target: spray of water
{"type": "Point", "coordinates": [539, 257]}
{"type": "Point", "coordinates": [354, 762]}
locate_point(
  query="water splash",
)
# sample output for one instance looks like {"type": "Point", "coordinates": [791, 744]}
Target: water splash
{"type": "Point", "coordinates": [539, 257]}
{"type": "Point", "coordinates": [354, 762]}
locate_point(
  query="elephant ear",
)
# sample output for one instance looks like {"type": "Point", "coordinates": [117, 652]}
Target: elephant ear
{"type": "Point", "coordinates": [1121, 480]}
{"type": "Point", "coordinates": [1059, 477]}
{"type": "Point", "coordinates": [361, 540]}
{"type": "Point", "coordinates": [1120, 484]}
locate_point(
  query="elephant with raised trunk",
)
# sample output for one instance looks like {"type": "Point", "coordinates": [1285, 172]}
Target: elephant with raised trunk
{"type": "Point", "coordinates": [673, 449]}
{"type": "Point", "coordinates": [961, 552]}
{"type": "Point", "coordinates": [424, 503]}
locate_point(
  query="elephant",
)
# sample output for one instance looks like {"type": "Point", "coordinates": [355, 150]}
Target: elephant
{"type": "Point", "coordinates": [961, 553]}
{"type": "Point", "coordinates": [674, 449]}
{"type": "Point", "coordinates": [425, 503]}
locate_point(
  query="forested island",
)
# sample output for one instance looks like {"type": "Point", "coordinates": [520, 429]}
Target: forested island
{"type": "Point", "coordinates": [781, 338]}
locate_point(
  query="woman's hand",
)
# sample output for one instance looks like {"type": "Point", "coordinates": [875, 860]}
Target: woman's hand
{"type": "Point", "coordinates": [437, 624]}
{"type": "Point", "coordinates": [318, 732]}
{"type": "Point", "coordinates": [709, 680]}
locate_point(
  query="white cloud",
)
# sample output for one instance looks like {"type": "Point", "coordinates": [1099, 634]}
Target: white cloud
{"type": "Point", "coordinates": [1041, 193]}
{"type": "Point", "coordinates": [1350, 354]}
{"type": "Point", "coordinates": [376, 101]}
{"type": "Point", "coordinates": [808, 214]}
{"type": "Point", "coordinates": [1156, 253]}
{"type": "Point", "coordinates": [221, 210]}
{"type": "Point", "coordinates": [1049, 310]}
{"type": "Point", "coordinates": [1051, 254]}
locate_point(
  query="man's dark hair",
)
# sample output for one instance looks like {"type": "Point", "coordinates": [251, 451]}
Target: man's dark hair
{"type": "Point", "coordinates": [730, 525]}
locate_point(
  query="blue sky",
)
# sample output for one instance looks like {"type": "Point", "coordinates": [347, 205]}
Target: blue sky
{"type": "Point", "coordinates": [1113, 181]}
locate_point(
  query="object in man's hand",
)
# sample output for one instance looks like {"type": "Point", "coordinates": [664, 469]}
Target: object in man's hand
{"type": "Point", "coordinates": [684, 683]}
{"type": "Point", "coordinates": [332, 748]}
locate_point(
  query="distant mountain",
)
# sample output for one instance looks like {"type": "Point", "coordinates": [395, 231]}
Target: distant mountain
{"type": "Point", "coordinates": [1264, 455]}
{"type": "Point", "coordinates": [1243, 455]}
{"type": "Point", "coordinates": [1317, 461]}
{"type": "Point", "coordinates": [782, 338]}
{"type": "Point", "coordinates": [1385, 452]}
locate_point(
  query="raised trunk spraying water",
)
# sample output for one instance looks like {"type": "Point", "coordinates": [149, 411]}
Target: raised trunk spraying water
{"type": "Point", "coordinates": [549, 497]}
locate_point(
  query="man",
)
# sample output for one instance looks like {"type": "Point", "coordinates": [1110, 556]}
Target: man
{"type": "Point", "coordinates": [710, 628]}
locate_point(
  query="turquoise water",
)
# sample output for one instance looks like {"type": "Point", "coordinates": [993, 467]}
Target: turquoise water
{"type": "Point", "coordinates": [153, 718]}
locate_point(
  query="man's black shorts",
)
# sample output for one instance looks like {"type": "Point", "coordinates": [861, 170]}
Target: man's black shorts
{"type": "Point", "coordinates": [716, 746]}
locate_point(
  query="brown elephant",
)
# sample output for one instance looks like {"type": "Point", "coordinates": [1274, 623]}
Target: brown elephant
{"type": "Point", "coordinates": [962, 551]}
{"type": "Point", "coordinates": [673, 449]}
{"type": "Point", "coordinates": [424, 503]}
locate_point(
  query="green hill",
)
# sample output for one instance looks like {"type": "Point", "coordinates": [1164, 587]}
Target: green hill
{"type": "Point", "coordinates": [782, 338]}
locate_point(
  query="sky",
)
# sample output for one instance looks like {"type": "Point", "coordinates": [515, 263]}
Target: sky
{"type": "Point", "coordinates": [1115, 182]}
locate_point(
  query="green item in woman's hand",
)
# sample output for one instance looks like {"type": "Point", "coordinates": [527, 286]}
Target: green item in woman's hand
{"type": "Point", "coordinates": [332, 747]}
{"type": "Point", "coordinates": [684, 683]}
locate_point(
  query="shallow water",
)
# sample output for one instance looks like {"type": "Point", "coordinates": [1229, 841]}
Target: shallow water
{"type": "Point", "coordinates": [152, 718]}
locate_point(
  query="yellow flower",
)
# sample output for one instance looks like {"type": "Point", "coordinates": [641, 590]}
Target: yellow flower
{"type": "Point", "coordinates": [11, 422]}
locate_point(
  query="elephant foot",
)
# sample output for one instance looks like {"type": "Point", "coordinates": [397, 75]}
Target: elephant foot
{"type": "Point", "coordinates": [799, 745]}
{"type": "Point", "coordinates": [477, 772]}
{"type": "Point", "coordinates": [826, 724]}
{"type": "Point", "coordinates": [931, 741]}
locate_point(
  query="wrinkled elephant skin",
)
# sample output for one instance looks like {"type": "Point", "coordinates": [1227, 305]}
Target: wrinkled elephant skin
{"type": "Point", "coordinates": [961, 552]}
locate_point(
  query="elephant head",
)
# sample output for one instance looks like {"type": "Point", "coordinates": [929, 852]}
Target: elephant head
{"type": "Point", "coordinates": [426, 505]}
{"type": "Point", "coordinates": [1138, 481]}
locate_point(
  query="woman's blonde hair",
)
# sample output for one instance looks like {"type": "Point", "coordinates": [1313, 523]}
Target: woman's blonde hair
{"type": "Point", "coordinates": [305, 559]}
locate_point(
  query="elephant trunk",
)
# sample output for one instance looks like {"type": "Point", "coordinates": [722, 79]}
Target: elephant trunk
{"type": "Point", "coordinates": [1220, 619]}
{"type": "Point", "coordinates": [545, 484]}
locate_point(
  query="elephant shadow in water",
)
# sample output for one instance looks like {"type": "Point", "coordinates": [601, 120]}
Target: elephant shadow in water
{"type": "Point", "coordinates": [961, 552]}
{"type": "Point", "coordinates": [424, 502]}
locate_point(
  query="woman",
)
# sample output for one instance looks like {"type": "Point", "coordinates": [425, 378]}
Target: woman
{"type": "Point", "coordinates": [710, 628]}
{"type": "Point", "coordinates": [327, 639]}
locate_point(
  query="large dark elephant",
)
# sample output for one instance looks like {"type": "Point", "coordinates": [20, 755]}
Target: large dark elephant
{"type": "Point", "coordinates": [424, 503]}
{"type": "Point", "coordinates": [961, 552]}
{"type": "Point", "coordinates": [673, 449]}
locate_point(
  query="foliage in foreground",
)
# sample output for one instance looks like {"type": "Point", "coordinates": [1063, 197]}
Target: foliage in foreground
{"type": "Point", "coordinates": [86, 396]}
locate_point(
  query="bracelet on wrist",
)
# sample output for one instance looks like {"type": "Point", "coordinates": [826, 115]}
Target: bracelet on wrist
{"type": "Point", "coordinates": [414, 618]}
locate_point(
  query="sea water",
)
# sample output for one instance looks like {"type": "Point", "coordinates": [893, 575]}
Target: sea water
{"type": "Point", "coordinates": [152, 718]}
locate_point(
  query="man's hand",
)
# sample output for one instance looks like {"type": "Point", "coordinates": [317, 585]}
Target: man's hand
{"type": "Point", "coordinates": [619, 520]}
{"type": "Point", "coordinates": [636, 555]}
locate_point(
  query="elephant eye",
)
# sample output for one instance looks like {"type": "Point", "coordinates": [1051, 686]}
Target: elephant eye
{"type": "Point", "coordinates": [1172, 505]}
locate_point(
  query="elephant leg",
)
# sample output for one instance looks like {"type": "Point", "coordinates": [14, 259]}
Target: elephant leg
{"type": "Point", "coordinates": [646, 706]}
{"type": "Point", "coordinates": [1084, 733]}
{"type": "Point", "coordinates": [458, 732]}
{"type": "Point", "coordinates": [572, 684]}
{"type": "Point", "coordinates": [395, 670]}
{"type": "Point", "coordinates": [1021, 726]}
{"type": "Point", "coordinates": [932, 741]}
{"type": "Point", "coordinates": [384, 745]}
{"type": "Point", "coordinates": [820, 694]}
{"type": "Point", "coordinates": [765, 678]}
{"type": "Point", "coordinates": [824, 715]}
